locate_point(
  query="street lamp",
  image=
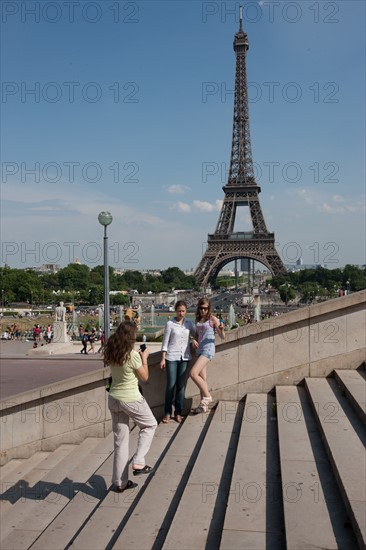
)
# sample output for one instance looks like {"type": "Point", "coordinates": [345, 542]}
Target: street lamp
{"type": "Point", "coordinates": [348, 287]}
{"type": "Point", "coordinates": [105, 219]}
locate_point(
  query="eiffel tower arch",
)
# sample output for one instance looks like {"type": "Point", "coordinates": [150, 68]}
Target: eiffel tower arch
{"type": "Point", "coordinates": [241, 189]}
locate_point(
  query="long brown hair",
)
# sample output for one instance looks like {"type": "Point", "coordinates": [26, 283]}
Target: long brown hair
{"type": "Point", "coordinates": [120, 344]}
{"type": "Point", "coordinates": [203, 302]}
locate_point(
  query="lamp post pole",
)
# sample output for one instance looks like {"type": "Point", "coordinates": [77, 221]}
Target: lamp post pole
{"type": "Point", "coordinates": [105, 219]}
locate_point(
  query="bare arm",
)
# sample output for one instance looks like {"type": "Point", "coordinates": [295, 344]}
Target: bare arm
{"type": "Point", "coordinates": [143, 371]}
{"type": "Point", "coordinates": [165, 343]}
{"type": "Point", "coordinates": [219, 327]}
{"type": "Point", "coordinates": [162, 362]}
{"type": "Point", "coordinates": [194, 335]}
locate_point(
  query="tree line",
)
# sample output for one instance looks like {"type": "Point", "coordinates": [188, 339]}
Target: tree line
{"type": "Point", "coordinates": [79, 284]}
{"type": "Point", "coordinates": [319, 282]}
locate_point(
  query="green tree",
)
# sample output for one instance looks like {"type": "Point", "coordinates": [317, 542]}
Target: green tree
{"type": "Point", "coordinates": [95, 295]}
{"type": "Point", "coordinates": [287, 293]}
{"type": "Point", "coordinates": [74, 277]}
{"type": "Point", "coordinates": [355, 276]}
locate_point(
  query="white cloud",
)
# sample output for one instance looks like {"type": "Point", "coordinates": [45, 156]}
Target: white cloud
{"type": "Point", "coordinates": [305, 196]}
{"type": "Point", "coordinates": [340, 209]}
{"type": "Point", "coordinates": [328, 209]}
{"type": "Point", "coordinates": [204, 206]}
{"type": "Point", "coordinates": [182, 207]}
{"type": "Point", "coordinates": [177, 189]}
{"type": "Point", "coordinates": [201, 206]}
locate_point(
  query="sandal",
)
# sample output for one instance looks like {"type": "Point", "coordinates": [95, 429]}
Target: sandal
{"type": "Point", "coordinates": [144, 470]}
{"type": "Point", "coordinates": [202, 408]}
{"type": "Point", "coordinates": [130, 485]}
{"type": "Point", "coordinates": [178, 418]}
{"type": "Point", "coordinates": [166, 419]}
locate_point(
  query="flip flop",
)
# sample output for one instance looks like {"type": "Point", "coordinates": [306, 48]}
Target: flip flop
{"type": "Point", "coordinates": [130, 485]}
{"type": "Point", "coordinates": [144, 470]}
{"type": "Point", "coordinates": [166, 419]}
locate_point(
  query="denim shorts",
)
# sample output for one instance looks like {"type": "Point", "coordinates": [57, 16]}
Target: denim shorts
{"type": "Point", "coordinates": [206, 354]}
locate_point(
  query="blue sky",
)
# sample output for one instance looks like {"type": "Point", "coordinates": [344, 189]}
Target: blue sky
{"type": "Point", "coordinates": [127, 107]}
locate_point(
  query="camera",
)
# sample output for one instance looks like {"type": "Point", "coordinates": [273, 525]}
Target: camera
{"type": "Point", "coordinates": [142, 347]}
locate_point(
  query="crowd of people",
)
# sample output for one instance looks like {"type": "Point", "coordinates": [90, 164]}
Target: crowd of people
{"type": "Point", "coordinates": [38, 333]}
{"type": "Point", "coordinates": [128, 367]}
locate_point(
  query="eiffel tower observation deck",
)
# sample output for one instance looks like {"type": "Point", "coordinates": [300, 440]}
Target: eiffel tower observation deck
{"type": "Point", "coordinates": [241, 189]}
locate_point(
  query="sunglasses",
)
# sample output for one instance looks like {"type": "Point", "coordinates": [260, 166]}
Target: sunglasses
{"type": "Point", "coordinates": [203, 307]}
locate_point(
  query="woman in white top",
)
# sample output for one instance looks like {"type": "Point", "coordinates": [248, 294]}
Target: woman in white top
{"type": "Point", "coordinates": [175, 356]}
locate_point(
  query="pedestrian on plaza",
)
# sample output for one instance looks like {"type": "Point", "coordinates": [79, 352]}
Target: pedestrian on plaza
{"type": "Point", "coordinates": [36, 333]}
{"type": "Point", "coordinates": [92, 338]}
{"type": "Point", "coordinates": [176, 354]}
{"type": "Point", "coordinates": [48, 334]}
{"type": "Point", "coordinates": [126, 402]}
{"type": "Point", "coordinates": [84, 341]}
{"type": "Point", "coordinates": [206, 326]}
{"type": "Point", "coordinates": [102, 340]}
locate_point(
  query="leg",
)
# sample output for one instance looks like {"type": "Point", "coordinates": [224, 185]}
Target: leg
{"type": "Point", "coordinates": [121, 431]}
{"type": "Point", "coordinates": [203, 375]}
{"type": "Point", "coordinates": [197, 378]}
{"type": "Point", "coordinates": [171, 368]}
{"type": "Point", "coordinates": [179, 392]}
{"type": "Point", "coordinates": [141, 414]}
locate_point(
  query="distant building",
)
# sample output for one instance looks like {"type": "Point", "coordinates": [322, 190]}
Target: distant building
{"type": "Point", "coordinates": [45, 269]}
{"type": "Point", "coordinates": [245, 264]}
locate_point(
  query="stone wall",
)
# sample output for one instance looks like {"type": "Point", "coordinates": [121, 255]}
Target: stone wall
{"type": "Point", "coordinates": [311, 341]}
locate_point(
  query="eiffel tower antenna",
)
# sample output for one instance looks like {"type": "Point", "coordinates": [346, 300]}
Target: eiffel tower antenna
{"type": "Point", "coordinates": [225, 245]}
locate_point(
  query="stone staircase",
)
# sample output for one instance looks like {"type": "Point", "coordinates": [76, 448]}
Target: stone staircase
{"type": "Point", "coordinates": [285, 470]}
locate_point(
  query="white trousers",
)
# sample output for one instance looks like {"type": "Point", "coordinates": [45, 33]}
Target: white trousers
{"type": "Point", "coordinates": [140, 413]}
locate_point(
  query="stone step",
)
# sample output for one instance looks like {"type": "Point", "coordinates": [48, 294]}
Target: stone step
{"type": "Point", "coordinates": [354, 384]}
{"type": "Point", "coordinates": [151, 518]}
{"type": "Point", "coordinates": [25, 489]}
{"type": "Point", "coordinates": [10, 466]}
{"type": "Point", "coordinates": [12, 485]}
{"type": "Point", "coordinates": [315, 516]}
{"type": "Point", "coordinates": [66, 525]}
{"type": "Point", "coordinates": [254, 511]}
{"type": "Point", "coordinates": [105, 524]}
{"type": "Point", "coordinates": [228, 479]}
{"type": "Point", "coordinates": [344, 438]}
{"type": "Point", "coordinates": [50, 495]}
{"type": "Point", "coordinates": [199, 518]}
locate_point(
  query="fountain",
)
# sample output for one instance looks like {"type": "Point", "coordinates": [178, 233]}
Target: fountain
{"type": "Point", "coordinates": [139, 313]}
{"type": "Point", "coordinates": [257, 308]}
{"type": "Point", "coordinates": [74, 321]}
{"type": "Point", "coordinates": [232, 317]}
{"type": "Point", "coordinates": [121, 314]}
{"type": "Point", "coordinates": [152, 315]}
{"type": "Point", "coordinates": [101, 317]}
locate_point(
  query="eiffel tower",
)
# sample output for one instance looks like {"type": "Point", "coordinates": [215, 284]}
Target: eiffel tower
{"type": "Point", "coordinates": [241, 189]}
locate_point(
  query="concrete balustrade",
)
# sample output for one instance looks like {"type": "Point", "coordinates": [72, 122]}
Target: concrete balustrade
{"type": "Point", "coordinates": [309, 342]}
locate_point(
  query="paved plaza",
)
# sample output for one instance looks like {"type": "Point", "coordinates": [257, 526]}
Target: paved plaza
{"type": "Point", "coordinates": [20, 373]}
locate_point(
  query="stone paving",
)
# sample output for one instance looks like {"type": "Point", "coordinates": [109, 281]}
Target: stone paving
{"type": "Point", "coordinates": [20, 373]}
